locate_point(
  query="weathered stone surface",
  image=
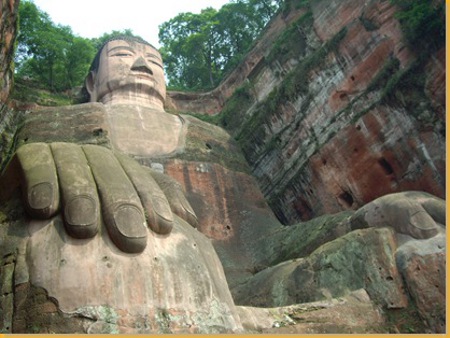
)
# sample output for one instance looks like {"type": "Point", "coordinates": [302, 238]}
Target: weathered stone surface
{"type": "Point", "coordinates": [176, 285]}
{"type": "Point", "coordinates": [8, 32]}
{"type": "Point", "coordinates": [360, 259]}
{"type": "Point", "coordinates": [334, 145]}
{"type": "Point", "coordinates": [85, 123]}
{"type": "Point", "coordinates": [144, 132]}
{"type": "Point", "coordinates": [35, 312]}
{"type": "Point", "coordinates": [354, 313]}
{"type": "Point", "coordinates": [231, 211]}
{"type": "Point", "coordinates": [416, 214]}
{"type": "Point", "coordinates": [422, 264]}
{"type": "Point", "coordinates": [331, 146]}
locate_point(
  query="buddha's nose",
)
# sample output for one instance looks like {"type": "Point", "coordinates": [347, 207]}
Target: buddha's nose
{"type": "Point", "coordinates": [140, 65]}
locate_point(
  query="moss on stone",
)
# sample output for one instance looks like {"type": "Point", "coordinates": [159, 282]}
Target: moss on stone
{"type": "Point", "coordinates": [407, 320]}
{"type": "Point", "coordinates": [292, 42]}
{"type": "Point", "coordinates": [385, 74]}
{"type": "Point", "coordinates": [251, 136]}
{"type": "Point", "coordinates": [211, 144]}
{"type": "Point", "coordinates": [27, 91]}
{"type": "Point", "coordinates": [235, 107]}
{"type": "Point", "coordinates": [285, 244]}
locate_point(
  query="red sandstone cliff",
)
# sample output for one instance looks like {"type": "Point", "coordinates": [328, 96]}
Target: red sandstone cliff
{"type": "Point", "coordinates": [327, 128]}
{"type": "Point", "coordinates": [8, 31]}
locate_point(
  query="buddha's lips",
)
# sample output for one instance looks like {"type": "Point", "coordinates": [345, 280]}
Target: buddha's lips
{"type": "Point", "coordinates": [142, 75]}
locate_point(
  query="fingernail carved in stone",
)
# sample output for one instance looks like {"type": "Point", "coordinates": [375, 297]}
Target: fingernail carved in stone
{"type": "Point", "coordinates": [40, 197]}
{"type": "Point", "coordinates": [162, 208]}
{"type": "Point", "coordinates": [129, 231]}
{"type": "Point", "coordinates": [422, 225]}
{"type": "Point", "coordinates": [165, 217]}
{"type": "Point", "coordinates": [81, 216]}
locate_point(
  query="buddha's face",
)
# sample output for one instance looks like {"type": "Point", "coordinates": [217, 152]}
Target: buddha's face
{"type": "Point", "coordinates": [128, 67]}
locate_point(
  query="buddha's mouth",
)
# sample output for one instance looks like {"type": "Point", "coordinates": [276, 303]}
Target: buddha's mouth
{"type": "Point", "coordinates": [142, 75]}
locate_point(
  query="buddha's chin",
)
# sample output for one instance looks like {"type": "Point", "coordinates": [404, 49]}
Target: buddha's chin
{"type": "Point", "coordinates": [143, 89]}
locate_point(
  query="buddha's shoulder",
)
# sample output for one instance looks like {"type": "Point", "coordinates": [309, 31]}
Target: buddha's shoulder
{"type": "Point", "coordinates": [81, 123]}
{"type": "Point", "coordinates": [206, 142]}
{"type": "Point", "coordinates": [88, 107]}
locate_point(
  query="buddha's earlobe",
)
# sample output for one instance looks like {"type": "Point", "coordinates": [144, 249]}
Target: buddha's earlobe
{"type": "Point", "coordinates": [90, 86]}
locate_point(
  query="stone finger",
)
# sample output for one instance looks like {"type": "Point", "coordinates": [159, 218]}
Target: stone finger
{"type": "Point", "coordinates": [176, 197]}
{"type": "Point", "coordinates": [154, 201]}
{"type": "Point", "coordinates": [436, 208]}
{"type": "Point", "coordinates": [123, 213]}
{"type": "Point", "coordinates": [40, 180]}
{"type": "Point", "coordinates": [78, 189]}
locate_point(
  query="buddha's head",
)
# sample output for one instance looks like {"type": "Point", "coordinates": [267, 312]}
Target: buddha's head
{"type": "Point", "coordinates": [127, 70]}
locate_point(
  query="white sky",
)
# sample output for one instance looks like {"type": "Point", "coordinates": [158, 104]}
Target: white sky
{"type": "Point", "coordinates": [92, 18]}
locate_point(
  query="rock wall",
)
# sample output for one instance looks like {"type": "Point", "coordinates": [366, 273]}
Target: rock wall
{"type": "Point", "coordinates": [339, 110]}
{"type": "Point", "coordinates": [8, 117]}
{"type": "Point", "coordinates": [322, 134]}
{"type": "Point", "coordinates": [8, 32]}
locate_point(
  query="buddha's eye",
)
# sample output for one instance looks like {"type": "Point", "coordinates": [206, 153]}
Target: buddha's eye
{"type": "Point", "coordinates": [152, 61]}
{"type": "Point", "coordinates": [122, 54]}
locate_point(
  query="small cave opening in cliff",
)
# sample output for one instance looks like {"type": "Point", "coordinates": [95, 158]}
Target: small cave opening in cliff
{"type": "Point", "coordinates": [343, 96]}
{"type": "Point", "coordinates": [352, 77]}
{"type": "Point", "coordinates": [346, 199]}
{"type": "Point", "coordinates": [386, 166]}
{"type": "Point", "coordinates": [303, 209]}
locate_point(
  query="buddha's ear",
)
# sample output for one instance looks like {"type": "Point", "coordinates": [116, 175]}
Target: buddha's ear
{"type": "Point", "coordinates": [89, 83]}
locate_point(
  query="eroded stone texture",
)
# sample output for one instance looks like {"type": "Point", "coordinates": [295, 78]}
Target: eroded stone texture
{"type": "Point", "coordinates": [176, 285]}
{"type": "Point", "coordinates": [360, 259]}
{"type": "Point", "coordinates": [354, 313]}
{"type": "Point", "coordinates": [333, 145]}
{"type": "Point", "coordinates": [139, 131]}
{"type": "Point", "coordinates": [85, 123]}
{"type": "Point", "coordinates": [416, 214]}
{"type": "Point", "coordinates": [8, 32]}
{"type": "Point", "coordinates": [422, 264]}
{"type": "Point", "coordinates": [325, 155]}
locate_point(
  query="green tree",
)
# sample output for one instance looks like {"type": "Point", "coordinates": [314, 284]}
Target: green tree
{"type": "Point", "coordinates": [50, 53]}
{"type": "Point", "coordinates": [77, 59]}
{"type": "Point", "coordinates": [98, 42]}
{"type": "Point", "coordinates": [422, 23]}
{"type": "Point", "coordinates": [198, 49]}
{"type": "Point", "coordinates": [190, 50]}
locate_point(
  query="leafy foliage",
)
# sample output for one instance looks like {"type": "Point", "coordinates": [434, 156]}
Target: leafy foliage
{"type": "Point", "coordinates": [385, 75]}
{"type": "Point", "coordinates": [50, 53]}
{"type": "Point", "coordinates": [422, 23]}
{"type": "Point", "coordinates": [292, 41]}
{"type": "Point", "coordinates": [236, 105]}
{"type": "Point", "coordinates": [198, 49]}
{"type": "Point", "coordinates": [295, 84]}
{"type": "Point", "coordinates": [98, 42]}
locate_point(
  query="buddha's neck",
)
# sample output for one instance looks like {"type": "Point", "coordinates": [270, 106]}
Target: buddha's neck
{"type": "Point", "coordinates": [133, 98]}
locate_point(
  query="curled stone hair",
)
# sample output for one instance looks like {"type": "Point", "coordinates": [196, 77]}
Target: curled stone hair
{"type": "Point", "coordinates": [84, 94]}
{"type": "Point", "coordinates": [95, 62]}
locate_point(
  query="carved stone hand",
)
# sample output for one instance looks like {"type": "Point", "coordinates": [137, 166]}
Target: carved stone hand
{"type": "Point", "coordinates": [82, 180]}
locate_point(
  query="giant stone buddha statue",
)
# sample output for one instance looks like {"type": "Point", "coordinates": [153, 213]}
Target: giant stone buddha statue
{"type": "Point", "coordinates": [113, 243]}
{"type": "Point", "coordinates": [110, 239]}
